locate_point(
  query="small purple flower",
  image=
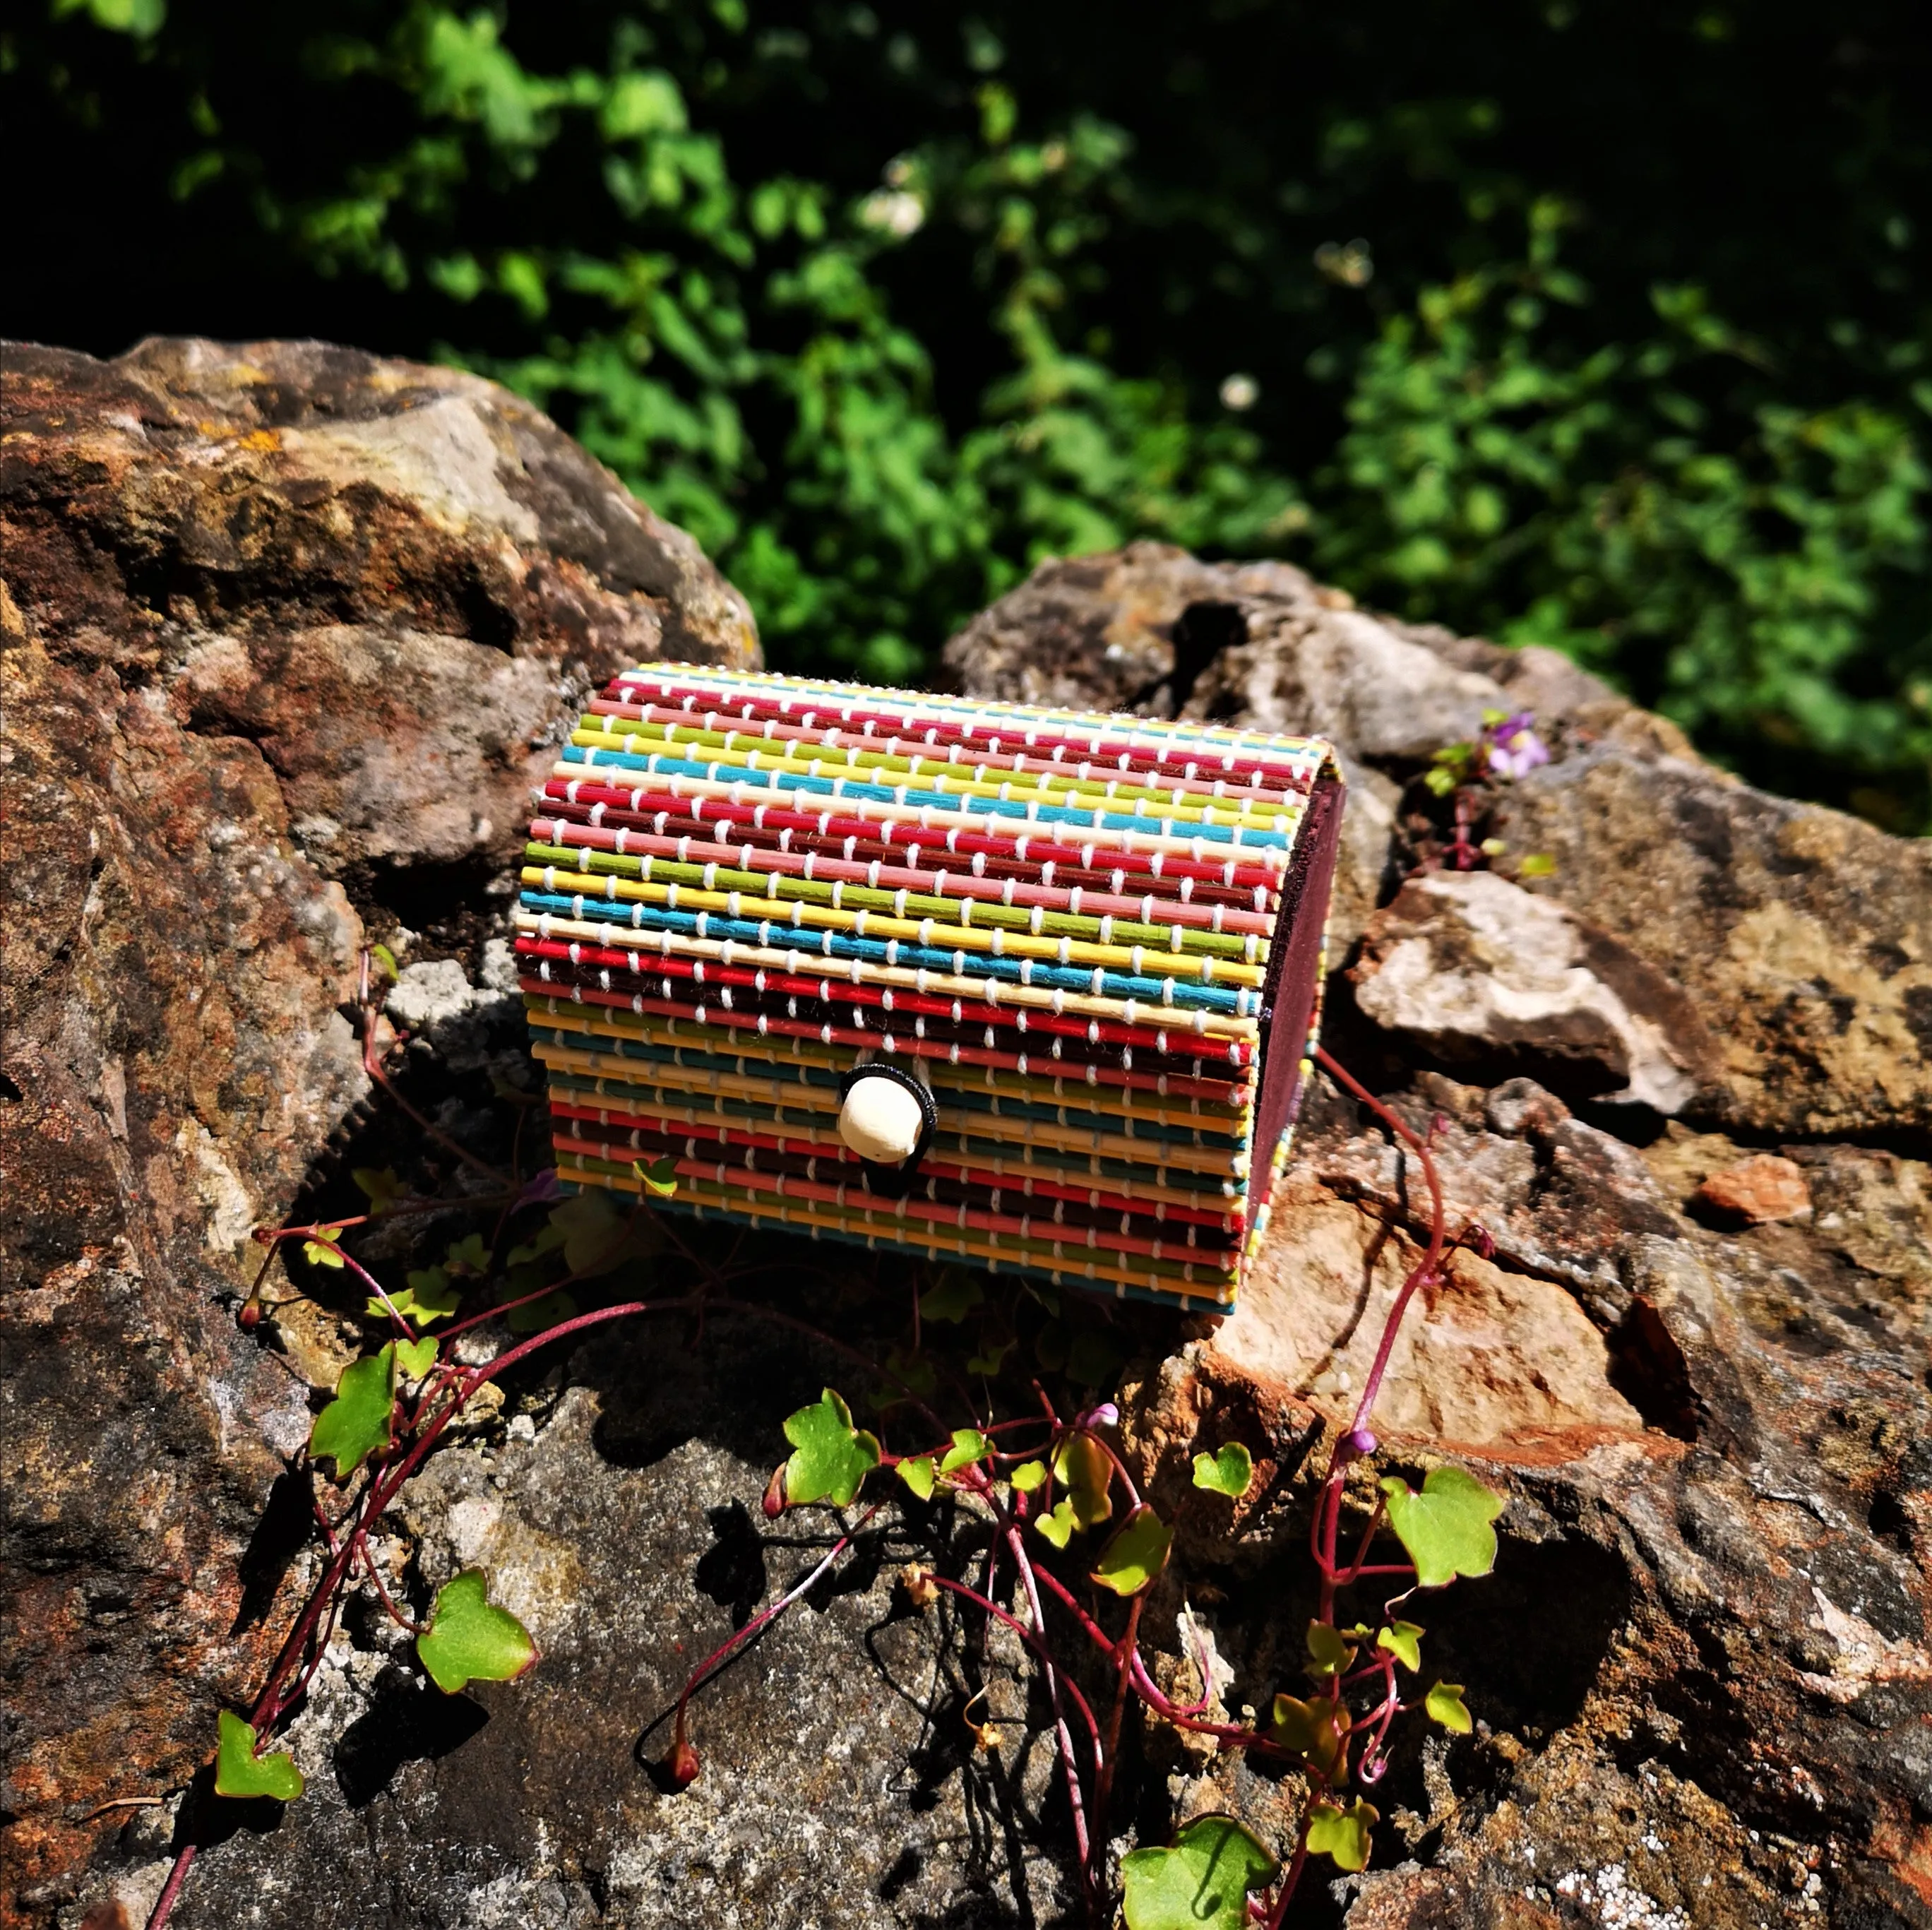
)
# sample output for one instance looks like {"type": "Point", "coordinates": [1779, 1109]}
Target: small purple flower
{"type": "Point", "coordinates": [1513, 747]}
{"type": "Point", "coordinates": [1106, 1415]}
{"type": "Point", "coordinates": [1357, 1442]}
{"type": "Point", "coordinates": [541, 1191]}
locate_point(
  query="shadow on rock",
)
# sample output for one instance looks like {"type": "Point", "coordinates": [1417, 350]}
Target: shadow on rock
{"type": "Point", "coordinates": [405, 1722]}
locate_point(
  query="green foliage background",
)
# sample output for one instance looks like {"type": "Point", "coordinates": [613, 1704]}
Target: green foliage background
{"type": "Point", "coordinates": [1602, 326]}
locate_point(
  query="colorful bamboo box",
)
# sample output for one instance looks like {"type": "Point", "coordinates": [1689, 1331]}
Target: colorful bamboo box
{"type": "Point", "coordinates": [1028, 988]}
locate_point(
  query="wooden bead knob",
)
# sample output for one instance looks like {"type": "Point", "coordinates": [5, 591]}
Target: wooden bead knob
{"type": "Point", "coordinates": [881, 1121]}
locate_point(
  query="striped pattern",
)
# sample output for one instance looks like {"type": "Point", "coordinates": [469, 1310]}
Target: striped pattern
{"type": "Point", "coordinates": [736, 884]}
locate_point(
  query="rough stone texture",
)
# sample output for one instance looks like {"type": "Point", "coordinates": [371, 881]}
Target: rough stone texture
{"type": "Point", "coordinates": [1803, 938]}
{"type": "Point", "coordinates": [1760, 1190]}
{"type": "Point", "coordinates": [1701, 1670]}
{"type": "Point", "coordinates": [1465, 967]}
{"type": "Point", "coordinates": [287, 630]}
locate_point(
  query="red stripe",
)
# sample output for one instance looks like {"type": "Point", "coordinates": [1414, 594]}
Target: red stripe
{"type": "Point", "coordinates": [1030, 848]}
{"type": "Point", "coordinates": [1179, 1085]}
{"type": "Point", "coordinates": [927, 1212]}
{"type": "Point", "coordinates": [821, 714]}
{"type": "Point", "coordinates": [641, 964]}
{"type": "Point", "coordinates": [1157, 906]}
{"type": "Point", "coordinates": [1092, 1197]}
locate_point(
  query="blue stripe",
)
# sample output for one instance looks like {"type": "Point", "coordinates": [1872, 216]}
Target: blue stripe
{"type": "Point", "coordinates": [595, 758]}
{"type": "Point", "coordinates": [776, 935]}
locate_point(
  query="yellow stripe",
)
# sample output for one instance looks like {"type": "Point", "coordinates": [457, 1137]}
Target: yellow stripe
{"type": "Point", "coordinates": [1077, 1264]}
{"type": "Point", "coordinates": [809, 1113]}
{"type": "Point", "coordinates": [1038, 1089]}
{"type": "Point", "coordinates": [1151, 734]}
{"type": "Point", "coordinates": [1144, 961]}
{"type": "Point", "coordinates": [963, 777]}
{"type": "Point", "coordinates": [929, 817]}
{"type": "Point", "coordinates": [1183, 1023]}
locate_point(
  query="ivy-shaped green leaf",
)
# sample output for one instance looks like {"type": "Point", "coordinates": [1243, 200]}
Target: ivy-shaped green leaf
{"type": "Point", "coordinates": [1081, 1467]}
{"type": "Point", "coordinates": [239, 1772]}
{"type": "Point", "coordinates": [470, 1639]}
{"type": "Point", "coordinates": [1094, 1359]}
{"type": "Point", "coordinates": [533, 1316]}
{"type": "Point", "coordinates": [1228, 1472]}
{"type": "Point", "coordinates": [918, 1474]}
{"type": "Point", "coordinates": [1201, 1882]}
{"type": "Point", "coordinates": [599, 1235]}
{"type": "Point", "coordinates": [951, 1298]}
{"type": "Point", "coordinates": [1317, 1730]}
{"type": "Point", "coordinates": [660, 1177]}
{"type": "Point", "coordinates": [1444, 1705]}
{"type": "Point", "coordinates": [1342, 1834]}
{"type": "Point", "coordinates": [385, 959]}
{"type": "Point", "coordinates": [469, 1255]}
{"type": "Point", "coordinates": [1329, 1651]}
{"type": "Point", "coordinates": [990, 1358]}
{"type": "Point", "coordinates": [912, 1379]}
{"type": "Point", "coordinates": [381, 1189]}
{"type": "Point", "coordinates": [430, 1296]}
{"type": "Point", "coordinates": [547, 1240]}
{"type": "Point", "coordinates": [321, 1251]}
{"type": "Point", "coordinates": [1403, 1640]}
{"type": "Point", "coordinates": [1134, 1554]}
{"type": "Point", "coordinates": [1028, 1476]}
{"type": "Point", "coordinates": [1057, 1527]}
{"type": "Point", "coordinates": [414, 1358]}
{"type": "Point", "coordinates": [1446, 1528]}
{"type": "Point", "coordinates": [357, 1421]}
{"type": "Point", "coordinates": [831, 1457]}
{"type": "Point", "coordinates": [968, 1445]}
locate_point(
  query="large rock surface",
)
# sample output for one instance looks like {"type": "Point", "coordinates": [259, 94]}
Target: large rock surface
{"type": "Point", "coordinates": [1704, 1659]}
{"type": "Point", "coordinates": [1804, 937]}
{"type": "Point", "coordinates": [284, 626]}
{"type": "Point", "coordinates": [288, 630]}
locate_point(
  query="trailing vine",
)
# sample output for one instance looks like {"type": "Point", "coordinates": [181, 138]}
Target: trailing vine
{"type": "Point", "coordinates": [1071, 1552]}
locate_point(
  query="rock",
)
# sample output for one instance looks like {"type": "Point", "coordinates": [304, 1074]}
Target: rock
{"type": "Point", "coordinates": [287, 630]}
{"type": "Point", "coordinates": [832, 1784]}
{"type": "Point", "coordinates": [1760, 1190]}
{"type": "Point", "coordinates": [1701, 1672]}
{"type": "Point", "coordinates": [1709, 1627]}
{"type": "Point", "coordinates": [1804, 937]}
{"type": "Point", "coordinates": [1466, 967]}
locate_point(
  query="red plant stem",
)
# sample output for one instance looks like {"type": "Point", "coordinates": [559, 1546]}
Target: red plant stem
{"type": "Point", "coordinates": [164, 1903]}
{"type": "Point", "coordinates": [1230, 1733]}
{"type": "Point", "coordinates": [1033, 1641]}
{"type": "Point", "coordinates": [1432, 1259]}
{"type": "Point", "coordinates": [1104, 1786]}
{"type": "Point", "coordinates": [372, 1064]}
{"type": "Point", "coordinates": [738, 1637]}
{"type": "Point", "coordinates": [1286, 1894]}
{"type": "Point", "coordinates": [1120, 1466]}
{"type": "Point", "coordinates": [1355, 1569]}
{"type": "Point", "coordinates": [369, 1568]}
{"type": "Point", "coordinates": [1082, 1844]}
{"type": "Point", "coordinates": [269, 1705]}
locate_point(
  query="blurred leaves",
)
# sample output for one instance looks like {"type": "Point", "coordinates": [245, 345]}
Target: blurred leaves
{"type": "Point", "coordinates": [885, 304]}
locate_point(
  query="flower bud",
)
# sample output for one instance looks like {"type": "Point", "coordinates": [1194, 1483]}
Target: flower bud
{"type": "Point", "coordinates": [682, 1764]}
{"type": "Point", "coordinates": [774, 1502]}
{"type": "Point", "coordinates": [249, 1317]}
